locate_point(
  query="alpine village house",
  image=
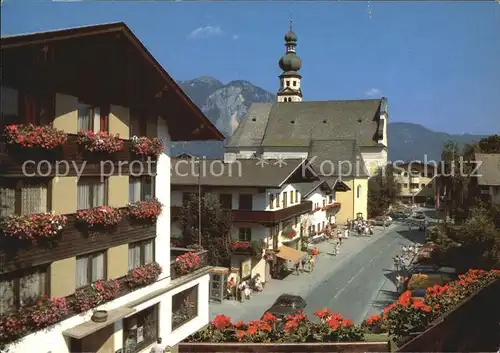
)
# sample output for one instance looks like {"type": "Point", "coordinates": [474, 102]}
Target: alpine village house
{"type": "Point", "coordinates": [344, 140]}
{"type": "Point", "coordinates": [86, 262]}
{"type": "Point", "coordinates": [276, 209]}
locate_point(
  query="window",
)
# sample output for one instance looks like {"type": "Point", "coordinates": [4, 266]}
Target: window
{"type": "Point", "coordinates": [36, 108]}
{"type": "Point", "coordinates": [358, 191]}
{"type": "Point", "coordinates": [141, 188]}
{"type": "Point", "coordinates": [138, 123]}
{"type": "Point", "coordinates": [90, 268]}
{"type": "Point", "coordinates": [245, 234]}
{"type": "Point", "coordinates": [226, 201]}
{"type": "Point", "coordinates": [18, 289]}
{"type": "Point", "coordinates": [141, 253]}
{"type": "Point", "coordinates": [9, 101]}
{"type": "Point", "coordinates": [294, 83]}
{"type": "Point", "coordinates": [422, 186]}
{"type": "Point", "coordinates": [184, 307]}
{"type": "Point", "coordinates": [91, 192]}
{"type": "Point", "coordinates": [292, 197]}
{"type": "Point", "coordinates": [186, 196]}
{"type": "Point", "coordinates": [285, 200]}
{"type": "Point", "coordinates": [92, 118]}
{"type": "Point", "coordinates": [324, 202]}
{"type": "Point", "coordinates": [330, 198]}
{"type": "Point", "coordinates": [413, 186]}
{"type": "Point", "coordinates": [246, 202]}
{"type": "Point", "coordinates": [271, 201]}
{"type": "Point", "coordinates": [23, 197]}
{"type": "Point", "coordinates": [405, 185]}
{"type": "Point", "coordinates": [288, 83]}
{"type": "Point", "coordinates": [140, 330]}
{"type": "Point", "coordinates": [278, 205]}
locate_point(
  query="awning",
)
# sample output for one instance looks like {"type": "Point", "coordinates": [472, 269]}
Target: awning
{"type": "Point", "coordinates": [90, 326]}
{"type": "Point", "coordinates": [290, 254]}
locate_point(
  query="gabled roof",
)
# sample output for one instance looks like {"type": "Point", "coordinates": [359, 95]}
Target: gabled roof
{"type": "Point", "coordinates": [241, 173]}
{"type": "Point", "coordinates": [488, 173]}
{"type": "Point", "coordinates": [337, 158]}
{"type": "Point", "coordinates": [250, 131]}
{"type": "Point", "coordinates": [306, 189]}
{"type": "Point", "coordinates": [44, 38]}
{"type": "Point", "coordinates": [299, 123]}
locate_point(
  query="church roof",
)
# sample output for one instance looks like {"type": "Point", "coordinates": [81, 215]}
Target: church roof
{"type": "Point", "coordinates": [337, 158]}
{"type": "Point", "coordinates": [299, 123]}
{"type": "Point", "coordinates": [251, 129]}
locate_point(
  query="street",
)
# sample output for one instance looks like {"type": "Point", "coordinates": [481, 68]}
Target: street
{"type": "Point", "coordinates": [357, 283]}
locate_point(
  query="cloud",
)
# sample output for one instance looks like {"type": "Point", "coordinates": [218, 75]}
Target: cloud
{"type": "Point", "coordinates": [206, 32]}
{"type": "Point", "coordinates": [373, 92]}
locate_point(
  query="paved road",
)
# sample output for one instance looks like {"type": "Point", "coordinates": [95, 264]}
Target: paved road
{"type": "Point", "coordinates": [356, 283]}
{"type": "Point", "coordinates": [364, 284]}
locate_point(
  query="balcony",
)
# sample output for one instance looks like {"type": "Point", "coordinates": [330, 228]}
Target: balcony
{"type": "Point", "coordinates": [73, 240]}
{"type": "Point", "coordinates": [175, 272]}
{"type": "Point", "coordinates": [262, 217]}
{"type": "Point", "coordinates": [12, 158]}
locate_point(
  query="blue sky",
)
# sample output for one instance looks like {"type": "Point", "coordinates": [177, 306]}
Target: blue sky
{"type": "Point", "coordinates": [438, 63]}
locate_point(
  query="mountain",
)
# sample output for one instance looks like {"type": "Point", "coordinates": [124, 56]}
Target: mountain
{"type": "Point", "coordinates": [226, 105]}
{"type": "Point", "coordinates": [408, 141]}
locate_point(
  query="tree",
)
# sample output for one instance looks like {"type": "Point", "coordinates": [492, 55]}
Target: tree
{"type": "Point", "coordinates": [490, 144]}
{"type": "Point", "coordinates": [215, 228]}
{"type": "Point", "coordinates": [382, 191]}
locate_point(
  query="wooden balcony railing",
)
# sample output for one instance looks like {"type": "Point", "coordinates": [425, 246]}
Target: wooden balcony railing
{"type": "Point", "coordinates": [263, 217]}
{"type": "Point", "coordinates": [174, 252]}
{"type": "Point", "coordinates": [13, 157]}
{"type": "Point", "coordinates": [73, 240]}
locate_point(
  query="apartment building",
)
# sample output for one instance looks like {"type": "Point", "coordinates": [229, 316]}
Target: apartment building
{"type": "Point", "coordinates": [269, 213]}
{"type": "Point", "coordinates": [416, 182]}
{"type": "Point", "coordinates": [487, 178]}
{"type": "Point", "coordinates": [85, 259]}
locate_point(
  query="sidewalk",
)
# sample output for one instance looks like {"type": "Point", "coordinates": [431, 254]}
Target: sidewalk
{"type": "Point", "coordinates": [301, 285]}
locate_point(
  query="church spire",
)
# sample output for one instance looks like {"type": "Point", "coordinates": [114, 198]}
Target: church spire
{"type": "Point", "coordinates": [290, 63]}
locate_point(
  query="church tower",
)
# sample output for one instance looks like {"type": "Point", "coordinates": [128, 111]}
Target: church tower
{"type": "Point", "coordinates": [290, 63]}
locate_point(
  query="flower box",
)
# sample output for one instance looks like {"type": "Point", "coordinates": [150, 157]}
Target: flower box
{"type": "Point", "coordinates": [144, 275]}
{"type": "Point", "coordinates": [96, 294]}
{"type": "Point", "coordinates": [45, 312]}
{"type": "Point", "coordinates": [103, 216]}
{"type": "Point", "coordinates": [290, 234]}
{"type": "Point", "coordinates": [145, 211]}
{"type": "Point", "coordinates": [99, 141]}
{"type": "Point", "coordinates": [33, 227]}
{"type": "Point", "coordinates": [143, 146]}
{"type": "Point", "coordinates": [187, 263]}
{"type": "Point", "coordinates": [241, 245]}
{"type": "Point", "coordinates": [330, 206]}
{"type": "Point", "coordinates": [296, 329]}
{"type": "Point", "coordinates": [32, 136]}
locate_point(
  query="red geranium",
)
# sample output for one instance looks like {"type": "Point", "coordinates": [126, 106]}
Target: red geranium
{"type": "Point", "coordinates": [30, 135]}
{"type": "Point", "coordinates": [99, 141]}
{"type": "Point", "coordinates": [95, 294]}
{"type": "Point", "coordinates": [241, 245]}
{"type": "Point", "coordinates": [33, 227]}
{"type": "Point", "coordinates": [104, 216]}
{"type": "Point", "coordinates": [290, 233]}
{"type": "Point", "coordinates": [145, 210]}
{"type": "Point", "coordinates": [187, 263]}
{"type": "Point", "coordinates": [144, 275]}
{"type": "Point", "coordinates": [144, 146]}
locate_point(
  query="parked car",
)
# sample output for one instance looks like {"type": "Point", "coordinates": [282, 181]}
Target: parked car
{"type": "Point", "coordinates": [286, 304]}
{"type": "Point", "coordinates": [419, 215]}
{"type": "Point", "coordinates": [398, 215]}
{"type": "Point", "coordinates": [381, 220]}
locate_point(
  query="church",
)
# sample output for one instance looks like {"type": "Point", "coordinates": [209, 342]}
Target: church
{"type": "Point", "coordinates": [342, 139]}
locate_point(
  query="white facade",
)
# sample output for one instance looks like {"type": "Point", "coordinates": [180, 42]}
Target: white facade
{"type": "Point", "coordinates": [53, 340]}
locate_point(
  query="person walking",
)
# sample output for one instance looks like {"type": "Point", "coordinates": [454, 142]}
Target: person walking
{"type": "Point", "coordinates": [312, 262]}
{"type": "Point", "coordinates": [337, 249]}
{"type": "Point", "coordinates": [403, 251]}
{"type": "Point", "coordinates": [396, 263]}
{"type": "Point", "coordinates": [346, 233]}
{"type": "Point", "coordinates": [315, 254]}
{"type": "Point", "coordinates": [297, 265]}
